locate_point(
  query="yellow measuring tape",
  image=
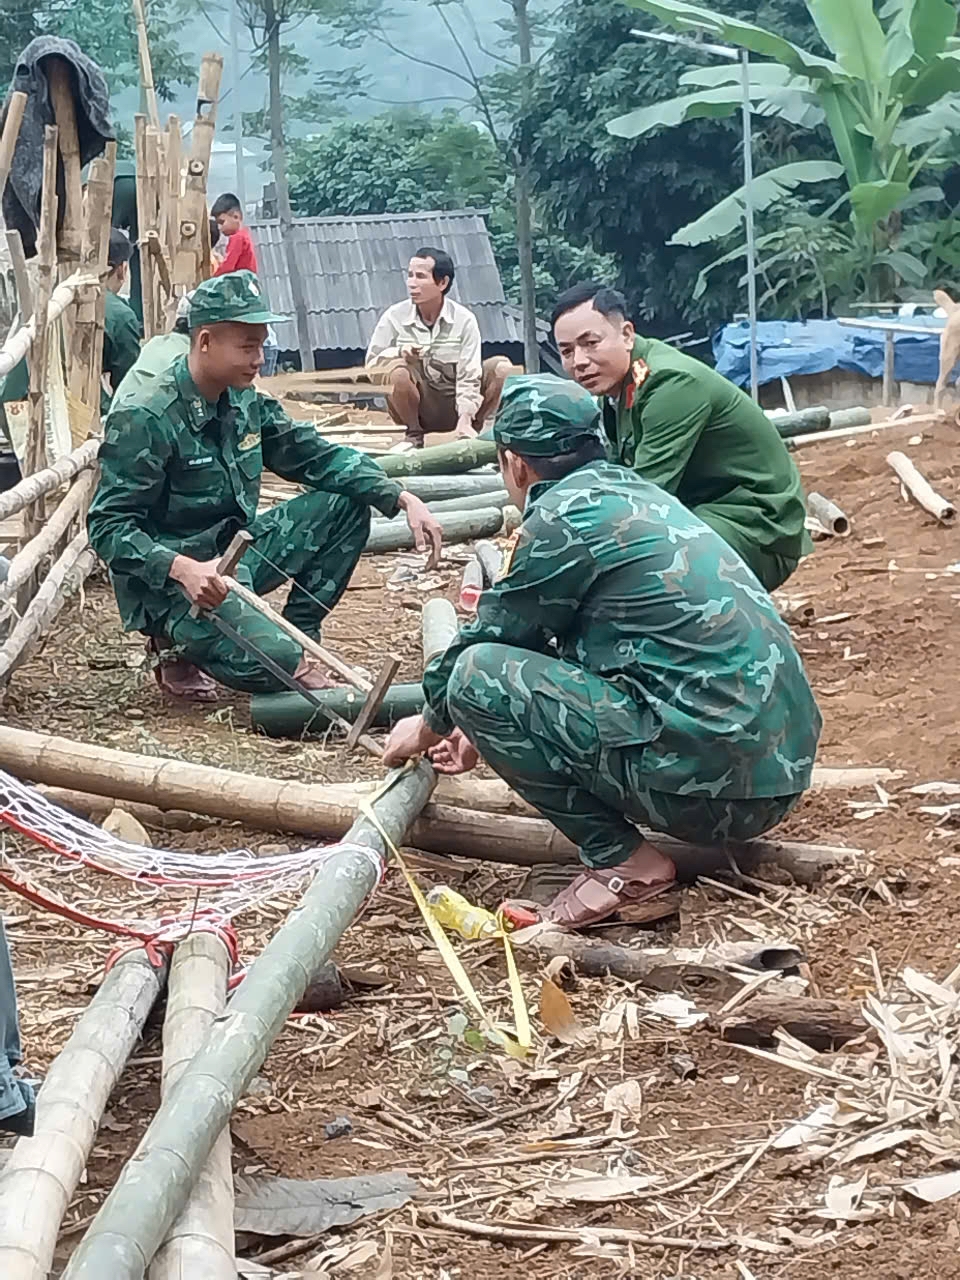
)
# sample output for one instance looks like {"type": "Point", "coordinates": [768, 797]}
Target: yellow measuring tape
{"type": "Point", "coordinates": [516, 1045]}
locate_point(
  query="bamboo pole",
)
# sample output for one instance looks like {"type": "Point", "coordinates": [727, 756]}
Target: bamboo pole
{"type": "Point", "coordinates": [440, 459]}
{"type": "Point", "coordinates": [87, 356]}
{"type": "Point", "coordinates": [272, 805]}
{"type": "Point", "coordinates": [848, 433]}
{"type": "Point", "coordinates": [43, 1172]}
{"type": "Point", "coordinates": [47, 264]}
{"type": "Point", "coordinates": [11, 132]}
{"type": "Point", "coordinates": [153, 1188]}
{"type": "Point", "coordinates": [21, 276]}
{"type": "Point", "coordinates": [28, 560]}
{"type": "Point", "coordinates": [68, 572]}
{"type": "Point", "coordinates": [146, 216]}
{"type": "Point", "coordinates": [193, 216]}
{"type": "Point", "coordinates": [49, 479]}
{"type": "Point", "coordinates": [458, 526]}
{"type": "Point", "coordinates": [146, 65]}
{"type": "Point", "coordinates": [438, 488]}
{"type": "Point", "coordinates": [438, 627]}
{"type": "Point", "coordinates": [19, 344]}
{"type": "Point", "coordinates": [469, 502]}
{"type": "Point", "coordinates": [829, 516]}
{"type": "Point", "coordinates": [170, 221]}
{"type": "Point", "coordinates": [200, 1242]}
{"type": "Point", "coordinates": [920, 489]}
{"type": "Point", "coordinates": [60, 80]}
{"type": "Point", "coordinates": [290, 715]}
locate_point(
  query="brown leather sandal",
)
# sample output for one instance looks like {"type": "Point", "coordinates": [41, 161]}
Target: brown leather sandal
{"type": "Point", "coordinates": [571, 910]}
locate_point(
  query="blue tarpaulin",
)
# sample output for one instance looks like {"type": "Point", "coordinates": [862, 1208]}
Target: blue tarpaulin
{"type": "Point", "coordinates": [786, 348]}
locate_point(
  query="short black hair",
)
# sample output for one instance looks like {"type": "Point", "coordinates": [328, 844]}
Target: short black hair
{"type": "Point", "coordinates": [561, 464]}
{"type": "Point", "coordinates": [120, 249]}
{"type": "Point", "coordinates": [227, 203]}
{"type": "Point", "coordinates": [443, 268]}
{"type": "Point", "coordinates": [214, 232]}
{"type": "Point", "coordinates": [608, 301]}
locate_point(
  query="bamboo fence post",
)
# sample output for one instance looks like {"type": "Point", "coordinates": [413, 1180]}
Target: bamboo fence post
{"type": "Point", "coordinates": [156, 198]}
{"type": "Point", "coordinates": [47, 258]}
{"type": "Point", "coordinates": [18, 344]}
{"type": "Point", "coordinates": [438, 627]}
{"type": "Point", "coordinates": [920, 489]}
{"type": "Point", "coordinates": [200, 1242]}
{"type": "Point", "coordinates": [193, 216]}
{"type": "Point", "coordinates": [87, 353]}
{"type": "Point", "coordinates": [50, 478]}
{"type": "Point", "coordinates": [21, 276]}
{"type": "Point", "coordinates": [68, 572]}
{"type": "Point", "coordinates": [43, 1172]}
{"type": "Point", "coordinates": [28, 559]}
{"type": "Point", "coordinates": [145, 221]}
{"type": "Point", "coordinates": [828, 515]}
{"type": "Point", "coordinates": [146, 65]}
{"type": "Point", "coordinates": [458, 526]}
{"type": "Point", "coordinates": [154, 1186]}
{"type": "Point", "coordinates": [170, 219]}
{"type": "Point", "coordinates": [60, 79]}
{"type": "Point", "coordinates": [11, 132]}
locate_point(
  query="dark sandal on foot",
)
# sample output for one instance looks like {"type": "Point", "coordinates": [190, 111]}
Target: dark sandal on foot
{"type": "Point", "coordinates": [569, 910]}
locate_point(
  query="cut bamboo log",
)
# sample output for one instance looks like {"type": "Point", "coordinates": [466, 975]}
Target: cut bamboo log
{"type": "Point", "coordinates": [19, 344]}
{"type": "Point", "coordinates": [440, 459]}
{"type": "Point", "coordinates": [28, 560]}
{"type": "Point", "coordinates": [60, 80]}
{"type": "Point", "coordinates": [920, 489]}
{"type": "Point", "coordinates": [438, 628]}
{"type": "Point", "coordinates": [491, 561]}
{"type": "Point", "coordinates": [49, 479]}
{"type": "Point", "coordinates": [153, 1188]}
{"type": "Point", "coordinates": [87, 357]}
{"type": "Point", "coordinates": [858, 416]}
{"type": "Point", "coordinates": [458, 526]}
{"type": "Point", "coordinates": [800, 421]}
{"type": "Point", "coordinates": [470, 502]}
{"type": "Point", "coordinates": [35, 455]}
{"type": "Point", "coordinates": [848, 433]}
{"type": "Point", "coordinates": [439, 488]}
{"type": "Point", "coordinates": [43, 1172]}
{"type": "Point", "coordinates": [829, 516]}
{"type": "Point", "coordinates": [68, 573]}
{"type": "Point", "coordinates": [471, 586]}
{"type": "Point", "coordinates": [11, 132]}
{"type": "Point", "coordinates": [21, 276]}
{"type": "Point", "coordinates": [96, 808]}
{"type": "Point", "coordinates": [200, 1242]}
{"type": "Point", "coordinates": [289, 715]}
{"type": "Point", "coordinates": [269, 804]}
{"type": "Point", "coordinates": [822, 1024]}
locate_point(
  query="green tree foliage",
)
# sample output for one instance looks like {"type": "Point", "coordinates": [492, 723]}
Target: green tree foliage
{"type": "Point", "coordinates": [409, 161]}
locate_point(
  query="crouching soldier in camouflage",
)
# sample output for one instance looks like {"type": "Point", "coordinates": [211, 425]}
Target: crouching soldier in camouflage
{"type": "Point", "coordinates": [627, 668]}
{"type": "Point", "coordinates": [180, 469]}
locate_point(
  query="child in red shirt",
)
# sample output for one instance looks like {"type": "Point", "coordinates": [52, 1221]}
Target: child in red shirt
{"type": "Point", "coordinates": [240, 255]}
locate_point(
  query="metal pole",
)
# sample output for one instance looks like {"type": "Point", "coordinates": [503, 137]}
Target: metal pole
{"type": "Point", "coordinates": [748, 217]}
{"type": "Point", "coordinates": [237, 111]}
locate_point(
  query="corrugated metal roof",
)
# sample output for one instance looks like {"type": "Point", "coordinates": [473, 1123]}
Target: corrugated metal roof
{"type": "Point", "coordinates": [354, 268]}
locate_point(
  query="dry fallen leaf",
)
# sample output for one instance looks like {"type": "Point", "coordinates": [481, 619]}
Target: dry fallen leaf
{"type": "Point", "coordinates": [125, 826]}
{"type": "Point", "coordinates": [557, 1015]}
{"type": "Point", "coordinates": [625, 1100]}
{"type": "Point", "coordinates": [385, 1270]}
{"type": "Point", "coordinates": [600, 1189]}
{"type": "Point", "coordinates": [940, 1186]}
{"type": "Point", "coordinates": [841, 1198]}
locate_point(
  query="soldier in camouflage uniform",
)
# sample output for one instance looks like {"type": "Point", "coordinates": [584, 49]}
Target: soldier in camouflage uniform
{"type": "Point", "coordinates": [180, 470]}
{"type": "Point", "coordinates": [627, 668]}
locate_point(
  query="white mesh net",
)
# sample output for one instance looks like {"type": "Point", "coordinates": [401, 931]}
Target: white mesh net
{"type": "Point", "coordinates": [69, 866]}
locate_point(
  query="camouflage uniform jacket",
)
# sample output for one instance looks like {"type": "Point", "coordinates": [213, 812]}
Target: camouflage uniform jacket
{"type": "Point", "coordinates": [122, 332]}
{"type": "Point", "coordinates": [179, 475]}
{"type": "Point", "coordinates": [704, 677]}
{"type": "Point", "coordinates": [686, 428]}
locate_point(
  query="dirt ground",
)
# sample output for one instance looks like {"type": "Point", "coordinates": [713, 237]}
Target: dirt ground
{"type": "Point", "coordinates": [491, 1141]}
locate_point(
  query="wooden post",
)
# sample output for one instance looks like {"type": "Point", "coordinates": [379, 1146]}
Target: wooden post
{"type": "Point", "coordinates": [154, 1186]}
{"type": "Point", "coordinates": [21, 276]}
{"type": "Point", "coordinates": [145, 221]}
{"type": "Point", "coordinates": [200, 1242]}
{"type": "Point", "coordinates": [170, 219]}
{"type": "Point", "coordinates": [44, 1171]}
{"type": "Point", "coordinates": [60, 77]}
{"type": "Point", "coordinates": [88, 328]}
{"type": "Point", "coordinates": [11, 131]}
{"type": "Point", "coordinates": [36, 451]}
{"type": "Point", "coordinates": [146, 66]}
{"type": "Point", "coordinates": [920, 489]}
{"type": "Point", "coordinates": [888, 365]}
{"type": "Point", "coordinates": [188, 266]}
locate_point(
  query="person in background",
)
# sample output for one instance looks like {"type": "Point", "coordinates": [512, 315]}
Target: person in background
{"type": "Point", "coordinates": [684, 427]}
{"type": "Point", "coordinates": [122, 331]}
{"type": "Point", "coordinates": [17, 1100]}
{"type": "Point", "coordinates": [427, 350]}
{"type": "Point", "coordinates": [240, 255]}
{"type": "Point", "coordinates": [123, 216]}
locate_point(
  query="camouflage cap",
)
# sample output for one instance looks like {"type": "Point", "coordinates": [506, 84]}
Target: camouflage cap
{"type": "Point", "coordinates": [235, 297]}
{"type": "Point", "coordinates": [543, 416]}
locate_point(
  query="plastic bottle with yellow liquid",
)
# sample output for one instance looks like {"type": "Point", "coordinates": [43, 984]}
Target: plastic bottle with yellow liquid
{"type": "Point", "coordinates": [454, 912]}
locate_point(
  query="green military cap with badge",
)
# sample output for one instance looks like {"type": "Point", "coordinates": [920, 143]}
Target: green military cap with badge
{"type": "Point", "coordinates": [543, 416]}
{"type": "Point", "coordinates": [235, 298]}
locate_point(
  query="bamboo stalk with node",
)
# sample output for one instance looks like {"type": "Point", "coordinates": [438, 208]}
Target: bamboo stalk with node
{"type": "Point", "coordinates": [19, 344]}
{"type": "Point", "coordinates": [68, 572]}
{"type": "Point", "coordinates": [440, 459]}
{"type": "Point", "coordinates": [828, 515]}
{"type": "Point", "coordinates": [146, 218]}
{"type": "Point", "coordinates": [441, 487]}
{"type": "Point", "coordinates": [11, 132]}
{"type": "Point", "coordinates": [458, 526]}
{"type": "Point", "coordinates": [60, 79]}
{"type": "Point", "coordinates": [145, 63]}
{"type": "Point", "coordinates": [917, 487]}
{"type": "Point", "coordinates": [192, 214]}
{"type": "Point", "coordinates": [87, 355]}
{"type": "Point", "coordinates": [47, 264]}
{"type": "Point", "coordinates": [438, 626]}
{"type": "Point", "coordinates": [153, 1188]}
{"type": "Point", "coordinates": [43, 1172]}
{"type": "Point", "coordinates": [49, 479]}
{"type": "Point", "coordinates": [200, 1242]}
{"type": "Point", "coordinates": [29, 558]}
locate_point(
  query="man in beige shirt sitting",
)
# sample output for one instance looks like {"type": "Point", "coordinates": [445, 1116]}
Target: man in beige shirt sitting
{"type": "Point", "coordinates": [427, 350]}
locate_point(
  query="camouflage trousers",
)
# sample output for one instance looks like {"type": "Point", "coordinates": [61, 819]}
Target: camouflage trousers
{"type": "Point", "coordinates": [315, 540]}
{"type": "Point", "coordinates": [15, 1095]}
{"type": "Point", "coordinates": [534, 720]}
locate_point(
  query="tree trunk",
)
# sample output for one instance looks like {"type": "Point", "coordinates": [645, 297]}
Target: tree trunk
{"type": "Point", "coordinates": [521, 189]}
{"type": "Point", "coordinates": [279, 153]}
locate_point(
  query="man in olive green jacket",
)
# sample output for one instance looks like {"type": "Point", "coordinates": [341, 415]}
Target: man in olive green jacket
{"type": "Point", "coordinates": [684, 427]}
